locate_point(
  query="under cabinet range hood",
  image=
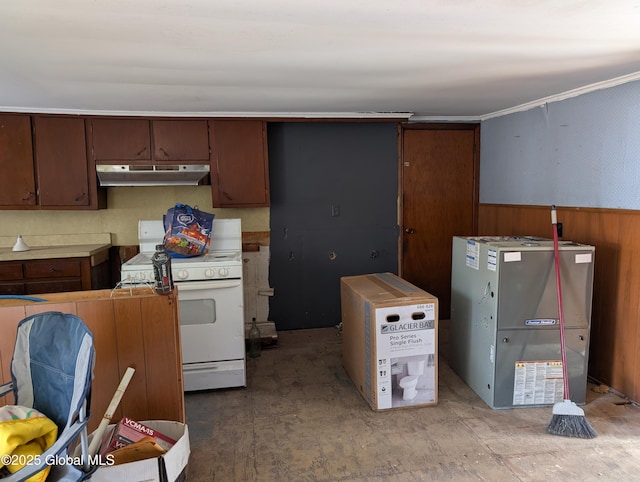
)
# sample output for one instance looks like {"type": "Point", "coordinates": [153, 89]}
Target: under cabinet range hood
{"type": "Point", "coordinates": [110, 175]}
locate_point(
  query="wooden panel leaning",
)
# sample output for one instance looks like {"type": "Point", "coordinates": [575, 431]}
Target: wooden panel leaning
{"type": "Point", "coordinates": [136, 328]}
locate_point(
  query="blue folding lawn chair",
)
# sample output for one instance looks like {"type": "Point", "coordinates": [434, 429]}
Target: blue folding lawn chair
{"type": "Point", "coordinates": [51, 371]}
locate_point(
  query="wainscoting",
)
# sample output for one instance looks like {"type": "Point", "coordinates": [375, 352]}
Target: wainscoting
{"type": "Point", "coordinates": [615, 338]}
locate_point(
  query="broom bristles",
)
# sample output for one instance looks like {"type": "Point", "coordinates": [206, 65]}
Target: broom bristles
{"type": "Point", "coordinates": [571, 426]}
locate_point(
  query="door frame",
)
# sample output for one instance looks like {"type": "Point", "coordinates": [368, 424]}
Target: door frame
{"type": "Point", "coordinates": [402, 127]}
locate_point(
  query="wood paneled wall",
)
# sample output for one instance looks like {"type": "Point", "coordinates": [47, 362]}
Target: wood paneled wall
{"type": "Point", "coordinates": [615, 338]}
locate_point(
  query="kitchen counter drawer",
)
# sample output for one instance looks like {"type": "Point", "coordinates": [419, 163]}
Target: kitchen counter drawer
{"type": "Point", "coordinates": [54, 275]}
{"type": "Point", "coordinates": [10, 271]}
{"type": "Point", "coordinates": [38, 287]}
{"type": "Point", "coordinates": [15, 288]}
{"type": "Point", "coordinates": [53, 268]}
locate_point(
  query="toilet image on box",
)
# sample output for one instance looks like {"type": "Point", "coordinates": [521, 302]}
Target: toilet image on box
{"type": "Point", "coordinates": [410, 380]}
{"type": "Point", "coordinates": [408, 383]}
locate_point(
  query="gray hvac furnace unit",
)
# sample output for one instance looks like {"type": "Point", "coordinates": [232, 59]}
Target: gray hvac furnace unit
{"type": "Point", "coordinates": [505, 336]}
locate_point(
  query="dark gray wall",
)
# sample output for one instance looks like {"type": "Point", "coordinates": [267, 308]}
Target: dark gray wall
{"type": "Point", "coordinates": [334, 189]}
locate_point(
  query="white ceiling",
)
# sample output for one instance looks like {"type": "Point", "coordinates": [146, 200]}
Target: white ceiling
{"type": "Point", "coordinates": [434, 58]}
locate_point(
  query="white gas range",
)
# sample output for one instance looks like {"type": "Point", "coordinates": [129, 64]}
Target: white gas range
{"type": "Point", "coordinates": [210, 298]}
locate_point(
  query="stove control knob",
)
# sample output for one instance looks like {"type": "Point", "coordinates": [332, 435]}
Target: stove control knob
{"type": "Point", "coordinates": [209, 273]}
{"type": "Point", "coordinates": [142, 275]}
{"type": "Point", "coordinates": [182, 274]}
{"type": "Point", "coordinates": [223, 272]}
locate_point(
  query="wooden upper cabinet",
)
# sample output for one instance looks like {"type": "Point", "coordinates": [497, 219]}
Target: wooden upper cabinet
{"type": "Point", "coordinates": [44, 165]}
{"type": "Point", "coordinates": [180, 140]}
{"type": "Point", "coordinates": [147, 141]}
{"type": "Point", "coordinates": [120, 139]}
{"type": "Point", "coordinates": [17, 182]}
{"type": "Point", "coordinates": [61, 160]}
{"type": "Point", "coordinates": [239, 163]}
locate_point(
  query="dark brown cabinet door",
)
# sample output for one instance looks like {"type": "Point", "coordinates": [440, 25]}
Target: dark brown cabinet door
{"type": "Point", "coordinates": [61, 159]}
{"type": "Point", "coordinates": [120, 139]}
{"type": "Point", "coordinates": [180, 140]}
{"type": "Point", "coordinates": [239, 164]}
{"type": "Point", "coordinates": [17, 183]}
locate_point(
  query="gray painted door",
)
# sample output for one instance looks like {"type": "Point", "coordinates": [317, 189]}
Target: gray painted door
{"type": "Point", "coordinates": [334, 189]}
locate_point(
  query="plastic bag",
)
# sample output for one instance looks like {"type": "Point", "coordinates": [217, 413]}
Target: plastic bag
{"type": "Point", "coordinates": [187, 231]}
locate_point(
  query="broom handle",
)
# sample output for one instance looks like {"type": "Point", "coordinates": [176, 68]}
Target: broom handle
{"type": "Point", "coordinates": [108, 415]}
{"type": "Point", "coordinates": [556, 255]}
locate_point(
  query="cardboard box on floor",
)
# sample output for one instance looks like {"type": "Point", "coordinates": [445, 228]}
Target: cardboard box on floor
{"type": "Point", "coordinates": [168, 467]}
{"type": "Point", "coordinates": [389, 329]}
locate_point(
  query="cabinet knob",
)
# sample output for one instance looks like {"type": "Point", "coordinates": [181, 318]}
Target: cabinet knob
{"type": "Point", "coordinates": [409, 231]}
{"type": "Point", "coordinates": [28, 196]}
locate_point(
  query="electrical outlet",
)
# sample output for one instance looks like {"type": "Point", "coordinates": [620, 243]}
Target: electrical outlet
{"type": "Point", "coordinates": [335, 210]}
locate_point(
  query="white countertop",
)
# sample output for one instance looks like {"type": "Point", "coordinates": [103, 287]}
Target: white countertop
{"type": "Point", "coordinates": [55, 246]}
{"type": "Point", "coordinates": [46, 252]}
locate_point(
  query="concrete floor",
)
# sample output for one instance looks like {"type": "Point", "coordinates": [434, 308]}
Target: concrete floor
{"type": "Point", "coordinates": [301, 419]}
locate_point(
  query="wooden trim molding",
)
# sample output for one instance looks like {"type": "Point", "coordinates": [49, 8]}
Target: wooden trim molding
{"type": "Point", "coordinates": [261, 238]}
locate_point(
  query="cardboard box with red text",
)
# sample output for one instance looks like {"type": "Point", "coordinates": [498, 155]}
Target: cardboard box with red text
{"type": "Point", "coordinates": [172, 466]}
{"type": "Point", "coordinates": [128, 431]}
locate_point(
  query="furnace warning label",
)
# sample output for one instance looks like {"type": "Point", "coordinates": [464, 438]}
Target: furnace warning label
{"type": "Point", "coordinates": [538, 382]}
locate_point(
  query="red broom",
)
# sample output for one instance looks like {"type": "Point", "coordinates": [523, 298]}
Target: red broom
{"type": "Point", "coordinates": [568, 419]}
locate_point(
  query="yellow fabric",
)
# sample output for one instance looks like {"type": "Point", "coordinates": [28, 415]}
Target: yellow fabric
{"type": "Point", "coordinates": [25, 433]}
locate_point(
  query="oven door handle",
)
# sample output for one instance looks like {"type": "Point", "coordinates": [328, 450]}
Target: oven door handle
{"type": "Point", "coordinates": [207, 285]}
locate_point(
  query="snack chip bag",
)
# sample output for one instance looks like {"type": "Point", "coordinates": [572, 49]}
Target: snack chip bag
{"type": "Point", "coordinates": [187, 231]}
